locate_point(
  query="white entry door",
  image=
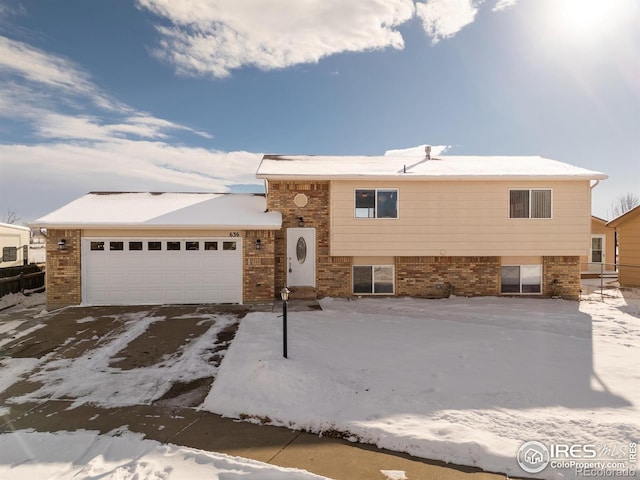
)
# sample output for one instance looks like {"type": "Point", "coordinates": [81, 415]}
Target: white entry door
{"type": "Point", "coordinates": [596, 255]}
{"type": "Point", "coordinates": [301, 257]}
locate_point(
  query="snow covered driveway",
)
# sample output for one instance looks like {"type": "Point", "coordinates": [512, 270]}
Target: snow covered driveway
{"type": "Point", "coordinates": [461, 380]}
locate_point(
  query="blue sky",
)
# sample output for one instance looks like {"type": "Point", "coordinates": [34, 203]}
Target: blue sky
{"type": "Point", "coordinates": [166, 95]}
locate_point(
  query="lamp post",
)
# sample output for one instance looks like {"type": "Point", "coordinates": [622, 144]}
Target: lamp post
{"type": "Point", "coordinates": [284, 294]}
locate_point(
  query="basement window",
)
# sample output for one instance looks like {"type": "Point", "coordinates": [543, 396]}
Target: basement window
{"type": "Point", "coordinates": [521, 279]}
{"type": "Point", "coordinates": [373, 279]}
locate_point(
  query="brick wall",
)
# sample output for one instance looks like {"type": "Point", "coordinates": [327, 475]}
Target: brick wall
{"type": "Point", "coordinates": [63, 282]}
{"type": "Point", "coordinates": [439, 276]}
{"type": "Point", "coordinates": [333, 274]}
{"type": "Point", "coordinates": [561, 277]}
{"type": "Point", "coordinates": [258, 276]}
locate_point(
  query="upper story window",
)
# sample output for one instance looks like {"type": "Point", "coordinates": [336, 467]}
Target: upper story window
{"type": "Point", "coordinates": [530, 203]}
{"type": "Point", "coordinates": [377, 203]}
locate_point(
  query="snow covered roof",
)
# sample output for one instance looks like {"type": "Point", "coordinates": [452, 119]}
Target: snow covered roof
{"type": "Point", "coordinates": [164, 210]}
{"type": "Point", "coordinates": [624, 217]}
{"type": "Point", "coordinates": [441, 167]}
{"type": "Point", "coordinates": [14, 227]}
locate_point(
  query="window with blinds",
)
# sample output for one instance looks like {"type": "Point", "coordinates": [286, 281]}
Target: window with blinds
{"type": "Point", "coordinates": [530, 203]}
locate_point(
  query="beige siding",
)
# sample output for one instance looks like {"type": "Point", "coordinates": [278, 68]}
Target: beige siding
{"type": "Point", "coordinates": [599, 227]}
{"type": "Point", "coordinates": [629, 251]}
{"type": "Point", "coordinates": [457, 218]}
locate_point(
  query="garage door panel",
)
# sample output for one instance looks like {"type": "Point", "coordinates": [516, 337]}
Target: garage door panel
{"type": "Point", "coordinates": [161, 276]}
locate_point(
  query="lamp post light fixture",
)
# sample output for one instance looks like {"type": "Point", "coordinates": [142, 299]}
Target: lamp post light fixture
{"type": "Point", "coordinates": [284, 295]}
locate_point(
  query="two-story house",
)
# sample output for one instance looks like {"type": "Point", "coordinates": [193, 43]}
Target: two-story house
{"type": "Point", "coordinates": [429, 226]}
{"type": "Point", "coordinates": [332, 226]}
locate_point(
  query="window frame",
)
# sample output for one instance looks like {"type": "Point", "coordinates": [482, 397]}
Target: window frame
{"type": "Point", "coordinates": [373, 280]}
{"type": "Point", "coordinates": [520, 292]}
{"type": "Point", "coordinates": [529, 190]}
{"type": "Point", "coordinates": [375, 208]}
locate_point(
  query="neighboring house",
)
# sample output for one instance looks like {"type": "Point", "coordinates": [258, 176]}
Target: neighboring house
{"type": "Point", "coordinates": [332, 226]}
{"type": "Point", "coordinates": [14, 245]}
{"type": "Point", "coordinates": [602, 249]}
{"type": "Point", "coordinates": [154, 248]}
{"type": "Point", "coordinates": [628, 229]}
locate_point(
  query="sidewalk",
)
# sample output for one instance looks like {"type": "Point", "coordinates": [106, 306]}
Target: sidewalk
{"type": "Point", "coordinates": [330, 457]}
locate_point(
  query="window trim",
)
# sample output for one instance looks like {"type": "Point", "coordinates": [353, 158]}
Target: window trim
{"type": "Point", "coordinates": [376, 189]}
{"type": "Point", "coordinates": [521, 292]}
{"type": "Point", "coordinates": [373, 293]}
{"type": "Point", "coordinates": [529, 189]}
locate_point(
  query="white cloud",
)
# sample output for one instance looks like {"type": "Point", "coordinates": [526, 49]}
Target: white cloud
{"type": "Point", "coordinates": [210, 38]}
{"type": "Point", "coordinates": [37, 84]}
{"type": "Point", "coordinates": [502, 4]}
{"type": "Point", "coordinates": [86, 140]}
{"type": "Point", "coordinates": [127, 163]}
{"type": "Point", "coordinates": [444, 18]}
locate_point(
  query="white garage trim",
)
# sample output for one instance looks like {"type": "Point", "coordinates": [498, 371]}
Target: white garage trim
{"type": "Point", "coordinates": [131, 270]}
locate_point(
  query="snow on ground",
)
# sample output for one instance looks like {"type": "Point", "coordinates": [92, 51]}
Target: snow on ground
{"type": "Point", "coordinates": [12, 299]}
{"type": "Point", "coordinates": [466, 381]}
{"type": "Point", "coordinates": [119, 455]}
{"type": "Point", "coordinates": [90, 379]}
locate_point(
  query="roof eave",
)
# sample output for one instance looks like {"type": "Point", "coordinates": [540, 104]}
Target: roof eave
{"type": "Point", "coordinates": [412, 176]}
{"type": "Point", "coordinates": [143, 226]}
{"type": "Point", "coordinates": [624, 217]}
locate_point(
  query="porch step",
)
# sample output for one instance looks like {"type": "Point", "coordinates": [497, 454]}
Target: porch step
{"type": "Point", "coordinates": [302, 293]}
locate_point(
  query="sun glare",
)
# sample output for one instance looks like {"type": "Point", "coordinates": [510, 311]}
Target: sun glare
{"type": "Point", "coordinates": [586, 19]}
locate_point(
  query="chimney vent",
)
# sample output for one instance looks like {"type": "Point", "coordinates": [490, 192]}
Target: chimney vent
{"type": "Point", "coordinates": [427, 151]}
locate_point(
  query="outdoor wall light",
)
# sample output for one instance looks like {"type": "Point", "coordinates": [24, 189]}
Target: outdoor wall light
{"type": "Point", "coordinates": [258, 244]}
{"type": "Point", "coordinates": [301, 221]}
{"type": "Point", "coordinates": [62, 244]}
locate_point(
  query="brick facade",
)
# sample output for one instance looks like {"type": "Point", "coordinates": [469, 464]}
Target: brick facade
{"type": "Point", "coordinates": [333, 274]}
{"type": "Point", "coordinates": [441, 276]}
{"type": "Point", "coordinates": [258, 282]}
{"type": "Point", "coordinates": [63, 280]}
{"type": "Point", "coordinates": [561, 277]}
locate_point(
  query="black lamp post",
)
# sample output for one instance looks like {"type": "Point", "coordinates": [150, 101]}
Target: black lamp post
{"type": "Point", "coordinates": [284, 294]}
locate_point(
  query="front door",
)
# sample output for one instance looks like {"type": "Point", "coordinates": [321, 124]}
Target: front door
{"type": "Point", "coordinates": [301, 257]}
{"type": "Point", "coordinates": [596, 257]}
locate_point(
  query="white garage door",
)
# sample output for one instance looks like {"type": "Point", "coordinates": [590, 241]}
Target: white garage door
{"type": "Point", "coordinates": [130, 271]}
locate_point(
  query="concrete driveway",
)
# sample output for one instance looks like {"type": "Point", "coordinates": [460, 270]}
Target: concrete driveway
{"type": "Point", "coordinates": [42, 340]}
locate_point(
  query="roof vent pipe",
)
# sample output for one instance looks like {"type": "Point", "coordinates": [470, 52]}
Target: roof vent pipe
{"type": "Point", "coordinates": [427, 151]}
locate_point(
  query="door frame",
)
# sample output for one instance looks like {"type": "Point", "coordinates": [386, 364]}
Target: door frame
{"type": "Point", "coordinates": [297, 232]}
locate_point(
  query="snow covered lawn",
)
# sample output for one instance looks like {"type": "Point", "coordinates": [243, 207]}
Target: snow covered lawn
{"type": "Point", "coordinates": [123, 455]}
{"type": "Point", "coordinates": [461, 380]}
